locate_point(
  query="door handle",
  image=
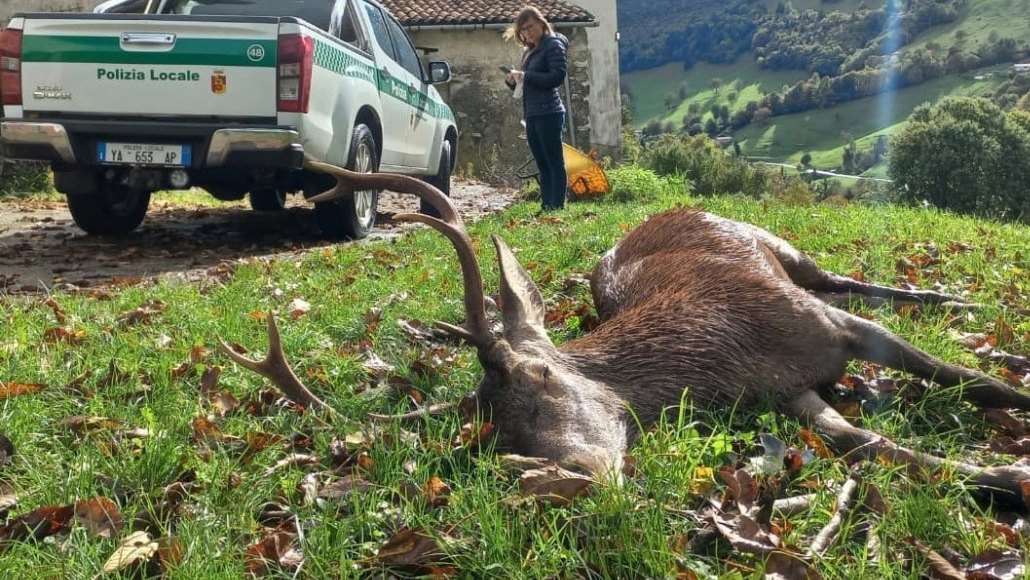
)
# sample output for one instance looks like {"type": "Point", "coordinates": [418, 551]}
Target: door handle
{"type": "Point", "coordinates": [386, 74]}
{"type": "Point", "coordinates": [148, 38]}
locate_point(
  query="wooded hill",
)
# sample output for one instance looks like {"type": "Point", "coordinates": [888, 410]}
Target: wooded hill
{"type": "Point", "coordinates": [833, 52]}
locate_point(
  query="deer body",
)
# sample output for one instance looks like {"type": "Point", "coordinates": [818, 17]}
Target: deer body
{"type": "Point", "coordinates": [695, 308]}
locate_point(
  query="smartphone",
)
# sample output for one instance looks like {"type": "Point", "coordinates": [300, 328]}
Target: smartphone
{"type": "Point", "coordinates": [505, 69]}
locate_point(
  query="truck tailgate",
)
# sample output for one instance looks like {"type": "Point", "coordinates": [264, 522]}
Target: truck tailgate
{"type": "Point", "coordinates": [100, 64]}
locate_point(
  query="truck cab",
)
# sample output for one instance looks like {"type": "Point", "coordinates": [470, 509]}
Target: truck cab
{"type": "Point", "coordinates": [228, 95]}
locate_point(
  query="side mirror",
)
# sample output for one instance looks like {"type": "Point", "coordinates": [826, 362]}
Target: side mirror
{"type": "Point", "coordinates": [439, 71]}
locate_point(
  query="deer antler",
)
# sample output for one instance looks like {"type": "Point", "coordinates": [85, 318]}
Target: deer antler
{"type": "Point", "coordinates": [275, 368]}
{"type": "Point", "coordinates": [476, 329]}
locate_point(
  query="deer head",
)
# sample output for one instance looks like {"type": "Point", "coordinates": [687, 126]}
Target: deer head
{"type": "Point", "coordinates": [539, 404]}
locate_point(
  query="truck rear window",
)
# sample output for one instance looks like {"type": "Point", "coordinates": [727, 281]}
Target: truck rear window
{"type": "Point", "coordinates": [317, 12]}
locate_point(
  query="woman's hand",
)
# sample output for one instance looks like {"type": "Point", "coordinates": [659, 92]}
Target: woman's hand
{"type": "Point", "coordinates": [514, 77]}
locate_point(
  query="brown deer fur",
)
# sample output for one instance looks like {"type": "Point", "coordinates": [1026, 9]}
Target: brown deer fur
{"type": "Point", "coordinates": [694, 307]}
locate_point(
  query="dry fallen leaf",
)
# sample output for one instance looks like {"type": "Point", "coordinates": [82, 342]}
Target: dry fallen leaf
{"type": "Point", "coordinates": [298, 307]}
{"type": "Point", "coordinates": [135, 549]}
{"type": "Point", "coordinates": [100, 516]}
{"type": "Point", "coordinates": [273, 552]}
{"type": "Point", "coordinates": [60, 334]}
{"type": "Point", "coordinates": [940, 568]}
{"type": "Point", "coordinates": [554, 485]}
{"type": "Point", "coordinates": [37, 524]}
{"type": "Point", "coordinates": [436, 492]}
{"type": "Point", "coordinates": [412, 547]}
{"type": "Point", "coordinates": [8, 390]}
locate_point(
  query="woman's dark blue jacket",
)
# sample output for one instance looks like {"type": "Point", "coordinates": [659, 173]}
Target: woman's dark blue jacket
{"type": "Point", "coordinates": [545, 67]}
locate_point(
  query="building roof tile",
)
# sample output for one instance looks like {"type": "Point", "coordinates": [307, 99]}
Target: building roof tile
{"type": "Point", "coordinates": [475, 12]}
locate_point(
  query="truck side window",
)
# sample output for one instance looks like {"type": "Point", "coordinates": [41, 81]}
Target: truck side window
{"type": "Point", "coordinates": [380, 30]}
{"type": "Point", "coordinates": [406, 54]}
{"type": "Point", "coordinates": [345, 25]}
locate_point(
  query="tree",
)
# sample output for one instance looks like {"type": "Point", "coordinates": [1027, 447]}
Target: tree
{"type": "Point", "coordinates": [964, 154]}
{"type": "Point", "coordinates": [762, 116]}
{"type": "Point", "coordinates": [806, 159]}
{"type": "Point", "coordinates": [715, 84]}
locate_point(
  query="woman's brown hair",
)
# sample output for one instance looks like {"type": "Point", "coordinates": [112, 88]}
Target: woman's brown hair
{"type": "Point", "coordinates": [526, 15]}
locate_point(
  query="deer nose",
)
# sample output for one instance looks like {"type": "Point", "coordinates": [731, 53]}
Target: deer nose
{"type": "Point", "coordinates": [600, 463]}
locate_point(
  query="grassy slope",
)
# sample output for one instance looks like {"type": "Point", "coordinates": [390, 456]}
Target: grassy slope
{"type": "Point", "coordinates": [416, 279]}
{"type": "Point", "coordinates": [824, 133]}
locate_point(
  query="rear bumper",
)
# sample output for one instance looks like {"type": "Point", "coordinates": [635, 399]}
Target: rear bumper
{"type": "Point", "coordinates": [73, 142]}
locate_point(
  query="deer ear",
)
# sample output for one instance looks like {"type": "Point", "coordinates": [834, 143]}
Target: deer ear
{"type": "Point", "coordinates": [521, 301]}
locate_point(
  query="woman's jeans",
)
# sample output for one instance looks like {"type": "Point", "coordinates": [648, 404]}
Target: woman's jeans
{"type": "Point", "coordinates": [544, 135]}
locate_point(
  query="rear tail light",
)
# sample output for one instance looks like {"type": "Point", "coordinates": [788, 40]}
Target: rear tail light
{"type": "Point", "coordinates": [296, 58]}
{"type": "Point", "coordinates": [10, 67]}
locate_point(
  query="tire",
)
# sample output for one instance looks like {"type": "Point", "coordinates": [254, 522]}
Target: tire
{"type": "Point", "coordinates": [442, 179]}
{"type": "Point", "coordinates": [114, 211]}
{"type": "Point", "coordinates": [268, 199]}
{"type": "Point", "coordinates": [353, 216]}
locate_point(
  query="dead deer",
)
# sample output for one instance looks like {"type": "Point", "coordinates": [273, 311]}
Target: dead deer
{"type": "Point", "coordinates": [695, 305]}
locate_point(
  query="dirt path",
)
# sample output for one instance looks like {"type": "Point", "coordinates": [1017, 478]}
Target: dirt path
{"type": "Point", "coordinates": [41, 248]}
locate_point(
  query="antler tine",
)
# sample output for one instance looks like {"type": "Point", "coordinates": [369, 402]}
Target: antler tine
{"type": "Point", "coordinates": [412, 415]}
{"type": "Point", "coordinates": [348, 181]}
{"type": "Point", "coordinates": [476, 329]}
{"type": "Point", "coordinates": [275, 368]}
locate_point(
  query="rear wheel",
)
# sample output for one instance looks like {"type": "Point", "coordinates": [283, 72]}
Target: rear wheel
{"type": "Point", "coordinates": [114, 210]}
{"type": "Point", "coordinates": [354, 215]}
{"type": "Point", "coordinates": [268, 199]}
{"type": "Point", "coordinates": [442, 179]}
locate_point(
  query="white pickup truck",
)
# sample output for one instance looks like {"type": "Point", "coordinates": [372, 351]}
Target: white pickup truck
{"type": "Point", "coordinates": [226, 95]}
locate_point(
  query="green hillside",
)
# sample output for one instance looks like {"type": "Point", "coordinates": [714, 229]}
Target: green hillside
{"type": "Point", "coordinates": [650, 87]}
{"type": "Point", "coordinates": [823, 133]}
{"type": "Point", "coordinates": [666, 93]}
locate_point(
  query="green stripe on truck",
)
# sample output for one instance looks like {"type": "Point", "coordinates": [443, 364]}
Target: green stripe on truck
{"type": "Point", "coordinates": [187, 51]}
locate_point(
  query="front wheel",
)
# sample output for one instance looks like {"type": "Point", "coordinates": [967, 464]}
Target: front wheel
{"type": "Point", "coordinates": [354, 215]}
{"type": "Point", "coordinates": [114, 211]}
{"type": "Point", "coordinates": [442, 179]}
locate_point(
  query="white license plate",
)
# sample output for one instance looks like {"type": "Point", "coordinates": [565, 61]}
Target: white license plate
{"type": "Point", "coordinates": [143, 153]}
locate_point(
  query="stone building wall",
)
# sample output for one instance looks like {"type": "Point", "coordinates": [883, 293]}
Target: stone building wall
{"type": "Point", "coordinates": [492, 142]}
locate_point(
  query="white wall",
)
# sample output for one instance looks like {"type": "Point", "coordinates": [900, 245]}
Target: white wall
{"type": "Point", "coordinates": [605, 85]}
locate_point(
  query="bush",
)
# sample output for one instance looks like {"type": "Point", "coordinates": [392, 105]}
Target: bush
{"type": "Point", "coordinates": [965, 155]}
{"type": "Point", "coordinates": [633, 183]}
{"type": "Point", "coordinates": [24, 177]}
{"type": "Point", "coordinates": [705, 164]}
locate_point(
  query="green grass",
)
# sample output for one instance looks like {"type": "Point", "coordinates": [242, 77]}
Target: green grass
{"type": "Point", "coordinates": [130, 373]}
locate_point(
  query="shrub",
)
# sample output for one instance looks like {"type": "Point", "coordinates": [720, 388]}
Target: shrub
{"type": "Point", "coordinates": [965, 155]}
{"type": "Point", "coordinates": [705, 164]}
{"type": "Point", "coordinates": [789, 190]}
{"type": "Point", "coordinates": [633, 183]}
{"type": "Point", "coordinates": [23, 177]}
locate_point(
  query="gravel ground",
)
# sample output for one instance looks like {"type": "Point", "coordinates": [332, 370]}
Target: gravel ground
{"type": "Point", "coordinates": [41, 248]}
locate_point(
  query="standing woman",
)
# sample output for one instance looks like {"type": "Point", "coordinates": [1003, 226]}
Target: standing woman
{"type": "Point", "coordinates": [543, 70]}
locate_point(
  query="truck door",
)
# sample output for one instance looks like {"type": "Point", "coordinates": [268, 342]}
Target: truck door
{"type": "Point", "coordinates": [399, 90]}
{"type": "Point", "coordinates": [422, 126]}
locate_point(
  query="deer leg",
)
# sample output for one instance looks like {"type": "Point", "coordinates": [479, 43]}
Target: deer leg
{"type": "Point", "coordinates": [843, 299]}
{"type": "Point", "coordinates": [870, 341]}
{"type": "Point", "coordinates": [1002, 483]}
{"type": "Point", "coordinates": [804, 272]}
